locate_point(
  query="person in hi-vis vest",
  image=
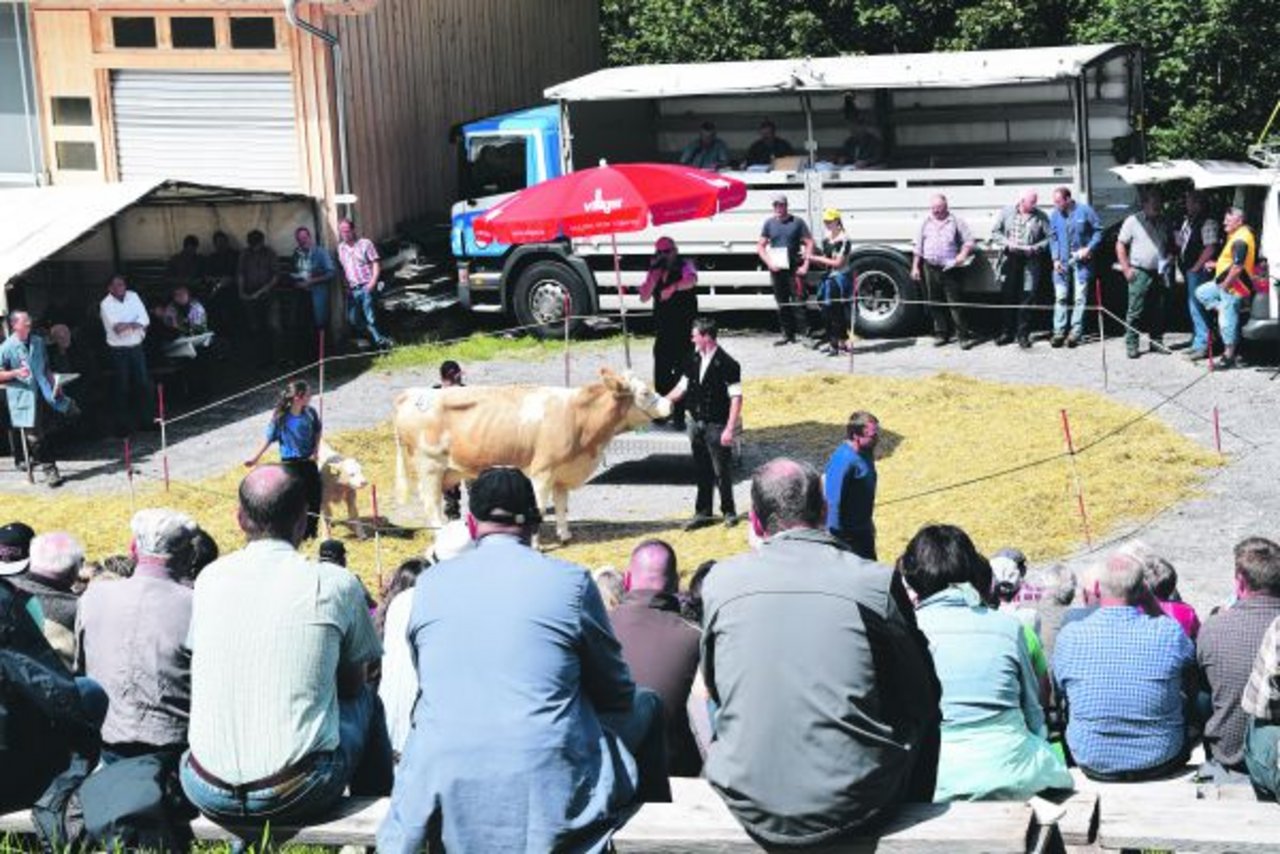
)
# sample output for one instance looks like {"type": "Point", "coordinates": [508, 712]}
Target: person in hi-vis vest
{"type": "Point", "coordinates": [1233, 282]}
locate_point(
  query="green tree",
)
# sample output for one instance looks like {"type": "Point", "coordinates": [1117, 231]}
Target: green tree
{"type": "Point", "coordinates": [1212, 73]}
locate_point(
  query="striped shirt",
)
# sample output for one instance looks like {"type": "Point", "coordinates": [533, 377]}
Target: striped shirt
{"type": "Point", "coordinates": [1261, 697]}
{"type": "Point", "coordinates": [357, 261]}
{"type": "Point", "coordinates": [269, 629]}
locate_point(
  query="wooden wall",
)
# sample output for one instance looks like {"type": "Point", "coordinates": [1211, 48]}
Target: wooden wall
{"type": "Point", "coordinates": [417, 67]}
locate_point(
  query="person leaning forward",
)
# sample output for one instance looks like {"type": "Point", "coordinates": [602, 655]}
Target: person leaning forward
{"type": "Point", "coordinates": [828, 700]}
{"type": "Point", "coordinates": [943, 246]}
{"type": "Point", "coordinates": [711, 390]}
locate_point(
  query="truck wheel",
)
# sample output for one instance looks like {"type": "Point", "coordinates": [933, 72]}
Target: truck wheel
{"type": "Point", "coordinates": [538, 300]}
{"type": "Point", "coordinates": [886, 306]}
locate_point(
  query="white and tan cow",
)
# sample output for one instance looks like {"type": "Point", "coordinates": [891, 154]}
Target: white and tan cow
{"type": "Point", "coordinates": [554, 435]}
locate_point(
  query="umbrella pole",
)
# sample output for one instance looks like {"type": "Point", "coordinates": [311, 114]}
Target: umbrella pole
{"type": "Point", "coordinates": [622, 303]}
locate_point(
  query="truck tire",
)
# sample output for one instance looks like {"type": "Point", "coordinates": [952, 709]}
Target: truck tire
{"type": "Point", "coordinates": [887, 304]}
{"type": "Point", "coordinates": [538, 299]}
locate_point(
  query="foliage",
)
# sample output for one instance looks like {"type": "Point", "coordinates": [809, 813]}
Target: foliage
{"type": "Point", "coordinates": [1211, 75]}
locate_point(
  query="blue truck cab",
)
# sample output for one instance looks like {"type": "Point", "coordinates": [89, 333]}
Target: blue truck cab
{"type": "Point", "coordinates": [498, 156]}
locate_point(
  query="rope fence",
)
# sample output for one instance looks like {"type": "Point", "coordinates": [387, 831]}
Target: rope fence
{"type": "Point", "coordinates": [1071, 451]}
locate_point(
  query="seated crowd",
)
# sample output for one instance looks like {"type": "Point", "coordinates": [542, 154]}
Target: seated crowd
{"type": "Point", "coordinates": [502, 705]}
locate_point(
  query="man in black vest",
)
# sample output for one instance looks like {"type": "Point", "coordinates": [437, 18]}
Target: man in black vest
{"type": "Point", "coordinates": [711, 390]}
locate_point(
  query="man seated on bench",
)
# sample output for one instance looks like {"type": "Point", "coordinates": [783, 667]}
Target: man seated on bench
{"type": "Point", "coordinates": [1128, 681]}
{"type": "Point", "coordinates": [1228, 645]}
{"type": "Point", "coordinates": [1261, 703]}
{"type": "Point", "coordinates": [528, 733]}
{"type": "Point", "coordinates": [282, 716]}
{"type": "Point", "coordinates": [828, 715]}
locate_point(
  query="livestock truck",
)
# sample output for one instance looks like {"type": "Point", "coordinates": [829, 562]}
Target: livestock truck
{"type": "Point", "coordinates": [980, 127]}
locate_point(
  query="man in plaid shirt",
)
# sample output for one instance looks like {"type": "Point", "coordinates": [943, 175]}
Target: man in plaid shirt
{"type": "Point", "coordinates": [1261, 702]}
{"type": "Point", "coordinates": [362, 268]}
{"type": "Point", "coordinates": [1227, 646]}
{"type": "Point", "coordinates": [1128, 679]}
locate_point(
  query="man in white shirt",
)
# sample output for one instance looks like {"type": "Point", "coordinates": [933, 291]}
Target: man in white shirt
{"type": "Point", "coordinates": [124, 318]}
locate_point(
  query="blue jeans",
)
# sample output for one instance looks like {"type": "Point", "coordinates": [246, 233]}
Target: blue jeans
{"type": "Point", "coordinates": [360, 313]}
{"type": "Point", "coordinates": [320, 304]}
{"type": "Point", "coordinates": [362, 759]}
{"type": "Point", "coordinates": [1211, 296]}
{"type": "Point", "coordinates": [1199, 321]}
{"type": "Point", "coordinates": [130, 387]}
{"type": "Point", "coordinates": [1080, 275]}
{"type": "Point", "coordinates": [1262, 755]}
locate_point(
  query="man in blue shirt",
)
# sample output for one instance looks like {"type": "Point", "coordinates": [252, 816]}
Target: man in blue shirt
{"type": "Point", "coordinates": [1075, 235]}
{"type": "Point", "coordinates": [1128, 679]}
{"type": "Point", "coordinates": [849, 484]}
{"type": "Point", "coordinates": [528, 733]}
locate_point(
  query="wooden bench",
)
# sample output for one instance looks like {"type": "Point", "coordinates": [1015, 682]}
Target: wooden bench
{"type": "Point", "coordinates": [696, 821]}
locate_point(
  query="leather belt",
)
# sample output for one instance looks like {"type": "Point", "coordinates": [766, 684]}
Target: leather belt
{"type": "Point", "coordinates": [285, 775]}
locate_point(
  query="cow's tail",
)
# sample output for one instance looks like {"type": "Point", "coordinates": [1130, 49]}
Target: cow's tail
{"type": "Point", "coordinates": [402, 477]}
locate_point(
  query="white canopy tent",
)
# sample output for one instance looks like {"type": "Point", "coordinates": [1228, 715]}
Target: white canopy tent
{"type": "Point", "coordinates": [887, 71]}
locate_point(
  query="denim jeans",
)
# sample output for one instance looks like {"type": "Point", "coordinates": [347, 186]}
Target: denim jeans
{"type": "Point", "coordinates": [360, 313]}
{"type": "Point", "coordinates": [834, 293]}
{"type": "Point", "coordinates": [362, 760]}
{"type": "Point", "coordinates": [1199, 322]}
{"type": "Point", "coordinates": [642, 728]}
{"type": "Point", "coordinates": [1079, 275]}
{"type": "Point", "coordinates": [130, 388]}
{"type": "Point", "coordinates": [320, 304]}
{"type": "Point", "coordinates": [1211, 296]}
{"type": "Point", "coordinates": [1262, 757]}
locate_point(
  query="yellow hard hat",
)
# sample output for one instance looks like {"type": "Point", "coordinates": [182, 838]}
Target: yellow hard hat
{"type": "Point", "coordinates": [830, 215]}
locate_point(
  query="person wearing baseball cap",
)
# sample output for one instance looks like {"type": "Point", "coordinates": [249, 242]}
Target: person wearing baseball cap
{"type": "Point", "coordinates": [785, 247]}
{"type": "Point", "coordinates": [835, 291]}
{"type": "Point", "coordinates": [672, 285]}
{"type": "Point", "coordinates": [524, 697]}
{"type": "Point", "coordinates": [15, 548]}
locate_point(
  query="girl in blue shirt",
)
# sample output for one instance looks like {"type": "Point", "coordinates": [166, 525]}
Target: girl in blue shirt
{"type": "Point", "coordinates": [296, 426]}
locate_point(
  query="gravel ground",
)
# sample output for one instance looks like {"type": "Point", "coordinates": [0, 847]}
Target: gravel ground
{"type": "Point", "coordinates": [1197, 535]}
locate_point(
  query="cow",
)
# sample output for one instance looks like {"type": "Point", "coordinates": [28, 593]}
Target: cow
{"type": "Point", "coordinates": [341, 478]}
{"type": "Point", "coordinates": [556, 436]}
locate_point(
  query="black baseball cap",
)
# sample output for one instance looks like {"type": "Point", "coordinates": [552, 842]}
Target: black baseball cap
{"type": "Point", "coordinates": [15, 548]}
{"type": "Point", "coordinates": [505, 496]}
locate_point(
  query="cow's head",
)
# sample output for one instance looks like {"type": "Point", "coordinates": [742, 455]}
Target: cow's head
{"type": "Point", "coordinates": [646, 404]}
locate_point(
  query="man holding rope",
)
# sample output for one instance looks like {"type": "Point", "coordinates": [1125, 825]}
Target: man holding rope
{"type": "Point", "coordinates": [34, 395]}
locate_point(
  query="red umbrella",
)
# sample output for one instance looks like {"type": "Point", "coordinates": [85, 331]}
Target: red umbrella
{"type": "Point", "coordinates": [608, 200]}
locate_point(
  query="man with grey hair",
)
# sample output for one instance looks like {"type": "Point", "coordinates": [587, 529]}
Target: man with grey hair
{"type": "Point", "coordinates": [1129, 682]}
{"type": "Point", "coordinates": [56, 558]}
{"type": "Point", "coordinates": [1022, 234]}
{"type": "Point", "coordinates": [942, 248]}
{"type": "Point", "coordinates": [132, 640]}
{"type": "Point", "coordinates": [1057, 583]}
{"type": "Point", "coordinates": [1233, 282]}
{"type": "Point", "coordinates": [34, 396]}
{"type": "Point", "coordinates": [816, 737]}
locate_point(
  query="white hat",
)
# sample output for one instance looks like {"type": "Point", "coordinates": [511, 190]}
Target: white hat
{"type": "Point", "coordinates": [451, 540]}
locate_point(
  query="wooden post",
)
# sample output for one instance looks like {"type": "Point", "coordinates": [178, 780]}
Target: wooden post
{"type": "Point", "coordinates": [164, 440]}
{"type": "Point", "coordinates": [128, 471]}
{"type": "Point", "coordinates": [377, 540]}
{"type": "Point", "coordinates": [567, 317]}
{"type": "Point", "coordinates": [1102, 331]}
{"type": "Point", "coordinates": [1075, 475]}
{"type": "Point", "coordinates": [1217, 430]}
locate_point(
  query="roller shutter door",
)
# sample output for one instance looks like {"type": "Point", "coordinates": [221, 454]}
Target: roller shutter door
{"type": "Point", "coordinates": [236, 129]}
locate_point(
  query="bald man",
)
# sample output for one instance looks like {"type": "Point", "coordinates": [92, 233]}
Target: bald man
{"type": "Point", "coordinates": [659, 646]}
{"type": "Point", "coordinates": [281, 706]}
{"type": "Point", "coordinates": [1022, 234]}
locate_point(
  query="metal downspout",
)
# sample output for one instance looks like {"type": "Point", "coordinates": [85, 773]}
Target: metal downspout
{"type": "Point", "coordinates": [340, 93]}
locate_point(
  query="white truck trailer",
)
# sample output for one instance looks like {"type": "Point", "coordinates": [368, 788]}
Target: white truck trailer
{"type": "Point", "coordinates": [980, 127]}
